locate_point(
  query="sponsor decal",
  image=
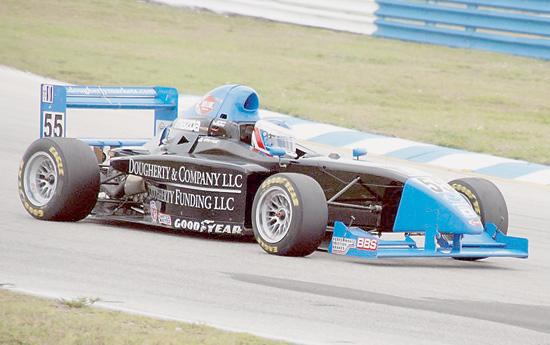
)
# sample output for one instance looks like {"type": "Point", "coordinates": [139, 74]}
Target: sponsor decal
{"type": "Point", "coordinates": [207, 226]}
{"type": "Point", "coordinates": [37, 212]}
{"type": "Point", "coordinates": [110, 91]}
{"type": "Point", "coordinates": [189, 125]}
{"type": "Point", "coordinates": [160, 125]}
{"type": "Point", "coordinates": [469, 194]}
{"type": "Point", "coordinates": [58, 160]}
{"type": "Point", "coordinates": [160, 194]}
{"type": "Point", "coordinates": [165, 219]}
{"type": "Point", "coordinates": [341, 245]}
{"type": "Point", "coordinates": [268, 248]}
{"type": "Point", "coordinates": [212, 179]}
{"type": "Point", "coordinates": [20, 174]}
{"type": "Point", "coordinates": [156, 216]}
{"type": "Point", "coordinates": [464, 200]}
{"type": "Point", "coordinates": [208, 140]}
{"type": "Point", "coordinates": [207, 202]}
{"type": "Point", "coordinates": [21, 165]}
{"type": "Point", "coordinates": [452, 193]}
{"type": "Point", "coordinates": [206, 105]}
{"type": "Point", "coordinates": [219, 123]}
{"type": "Point", "coordinates": [475, 222]}
{"type": "Point", "coordinates": [153, 211]}
{"type": "Point", "coordinates": [185, 175]}
{"type": "Point", "coordinates": [454, 198]}
{"type": "Point", "coordinates": [149, 170]}
{"type": "Point", "coordinates": [47, 93]}
{"type": "Point", "coordinates": [192, 200]}
{"type": "Point", "coordinates": [164, 136]}
{"type": "Point", "coordinates": [286, 183]}
{"type": "Point", "coordinates": [437, 186]}
{"type": "Point", "coordinates": [366, 243]}
{"type": "Point", "coordinates": [467, 211]}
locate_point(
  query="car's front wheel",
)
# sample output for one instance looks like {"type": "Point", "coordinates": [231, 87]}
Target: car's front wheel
{"type": "Point", "coordinates": [486, 200]}
{"type": "Point", "coordinates": [289, 215]}
{"type": "Point", "coordinates": [58, 179]}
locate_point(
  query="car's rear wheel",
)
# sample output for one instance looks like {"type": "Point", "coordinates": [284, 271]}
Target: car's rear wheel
{"type": "Point", "coordinates": [58, 179]}
{"type": "Point", "coordinates": [289, 215]}
{"type": "Point", "coordinates": [486, 200]}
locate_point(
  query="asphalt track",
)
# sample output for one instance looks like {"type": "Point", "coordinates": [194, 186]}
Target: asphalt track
{"type": "Point", "coordinates": [234, 285]}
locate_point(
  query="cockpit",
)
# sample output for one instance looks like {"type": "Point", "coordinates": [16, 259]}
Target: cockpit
{"type": "Point", "coordinates": [230, 113]}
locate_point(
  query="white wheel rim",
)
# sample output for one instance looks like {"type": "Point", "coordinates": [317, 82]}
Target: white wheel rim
{"type": "Point", "coordinates": [40, 179]}
{"type": "Point", "coordinates": [274, 214]}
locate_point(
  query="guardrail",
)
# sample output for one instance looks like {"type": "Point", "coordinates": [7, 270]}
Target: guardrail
{"type": "Point", "coordinates": [520, 27]}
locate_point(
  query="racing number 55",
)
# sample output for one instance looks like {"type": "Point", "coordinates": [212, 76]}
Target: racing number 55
{"type": "Point", "coordinates": [54, 124]}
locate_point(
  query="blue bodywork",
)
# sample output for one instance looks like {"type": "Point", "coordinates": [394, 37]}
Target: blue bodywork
{"type": "Point", "coordinates": [520, 27]}
{"type": "Point", "coordinates": [358, 152]}
{"type": "Point", "coordinates": [427, 202]}
{"type": "Point", "coordinates": [56, 99]}
{"type": "Point", "coordinates": [447, 222]}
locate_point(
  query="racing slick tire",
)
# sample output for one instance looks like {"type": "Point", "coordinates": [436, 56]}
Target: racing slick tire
{"type": "Point", "coordinates": [59, 179]}
{"type": "Point", "coordinates": [289, 215]}
{"type": "Point", "coordinates": [486, 200]}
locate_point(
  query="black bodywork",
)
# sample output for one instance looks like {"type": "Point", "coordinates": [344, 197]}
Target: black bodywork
{"type": "Point", "coordinates": [206, 180]}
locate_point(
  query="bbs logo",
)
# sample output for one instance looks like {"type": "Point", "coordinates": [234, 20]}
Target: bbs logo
{"type": "Point", "coordinates": [367, 243]}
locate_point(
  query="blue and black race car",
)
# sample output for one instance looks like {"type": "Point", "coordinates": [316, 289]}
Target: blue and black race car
{"type": "Point", "coordinates": [220, 169]}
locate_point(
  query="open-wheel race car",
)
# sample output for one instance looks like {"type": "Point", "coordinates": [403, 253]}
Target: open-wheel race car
{"type": "Point", "coordinates": [219, 168]}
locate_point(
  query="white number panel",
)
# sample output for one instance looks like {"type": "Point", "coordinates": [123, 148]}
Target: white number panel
{"type": "Point", "coordinates": [53, 124]}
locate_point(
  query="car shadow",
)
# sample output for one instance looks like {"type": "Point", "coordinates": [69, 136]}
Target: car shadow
{"type": "Point", "coordinates": [123, 224]}
{"type": "Point", "coordinates": [430, 263]}
{"type": "Point", "coordinates": [437, 263]}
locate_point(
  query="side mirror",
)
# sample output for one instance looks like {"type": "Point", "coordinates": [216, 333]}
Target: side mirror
{"type": "Point", "coordinates": [358, 152]}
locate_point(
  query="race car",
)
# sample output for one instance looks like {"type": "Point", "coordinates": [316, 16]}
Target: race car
{"type": "Point", "coordinates": [218, 168]}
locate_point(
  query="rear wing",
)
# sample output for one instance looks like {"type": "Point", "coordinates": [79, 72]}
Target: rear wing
{"type": "Point", "coordinates": [56, 99]}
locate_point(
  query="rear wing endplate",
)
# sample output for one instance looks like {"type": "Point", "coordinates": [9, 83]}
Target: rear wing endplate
{"type": "Point", "coordinates": [56, 99]}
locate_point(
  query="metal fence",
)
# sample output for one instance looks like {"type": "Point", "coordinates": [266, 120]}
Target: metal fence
{"type": "Point", "coordinates": [520, 27]}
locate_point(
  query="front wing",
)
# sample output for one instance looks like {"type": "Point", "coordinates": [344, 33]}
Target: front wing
{"type": "Point", "coordinates": [355, 242]}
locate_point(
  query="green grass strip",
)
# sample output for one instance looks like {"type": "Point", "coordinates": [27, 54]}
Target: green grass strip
{"type": "Point", "coordinates": [36, 321]}
{"type": "Point", "coordinates": [468, 99]}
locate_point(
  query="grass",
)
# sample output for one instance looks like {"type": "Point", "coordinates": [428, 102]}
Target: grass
{"type": "Point", "coordinates": [80, 302]}
{"type": "Point", "coordinates": [474, 100]}
{"type": "Point", "coordinates": [30, 320]}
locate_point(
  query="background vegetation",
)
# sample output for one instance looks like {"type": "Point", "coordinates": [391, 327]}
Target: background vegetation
{"type": "Point", "coordinates": [478, 101]}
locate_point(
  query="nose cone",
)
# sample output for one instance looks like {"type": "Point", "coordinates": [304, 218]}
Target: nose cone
{"type": "Point", "coordinates": [429, 202]}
